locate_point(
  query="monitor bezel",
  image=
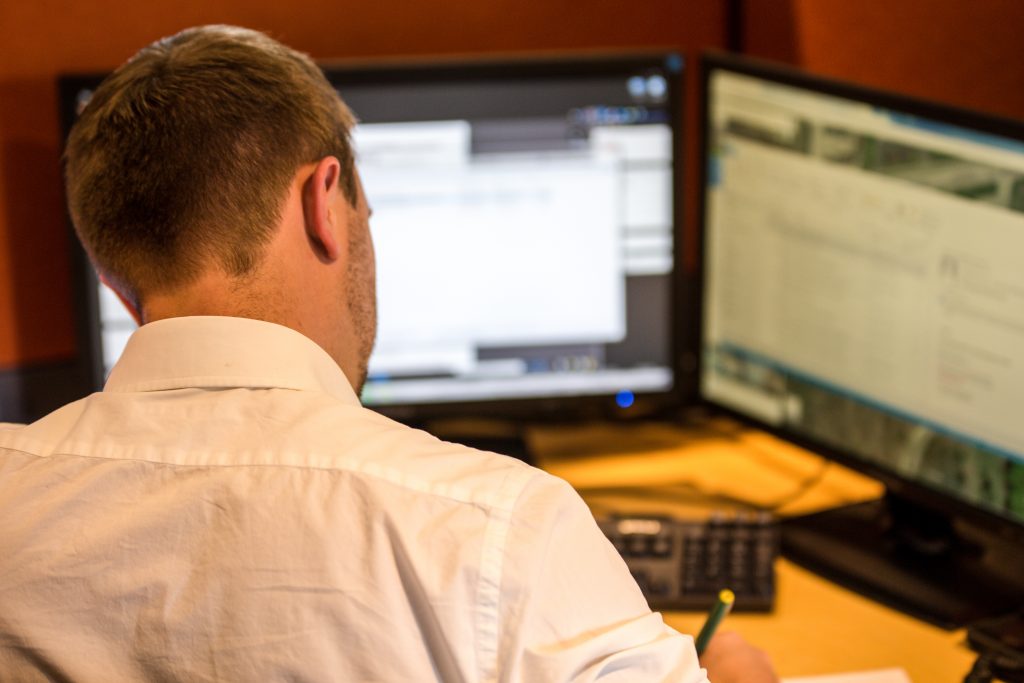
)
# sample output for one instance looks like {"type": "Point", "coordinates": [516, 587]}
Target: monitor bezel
{"type": "Point", "coordinates": [85, 283]}
{"type": "Point", "coordinates": [460, 69]}
{"type": "Point", "coordinates": [945, 504]}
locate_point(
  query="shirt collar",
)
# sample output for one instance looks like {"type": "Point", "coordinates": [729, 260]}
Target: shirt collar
{"type": "Point", "coordinates": [221, 352]}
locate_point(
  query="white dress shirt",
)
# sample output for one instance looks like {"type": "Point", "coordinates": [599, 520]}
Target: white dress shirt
{"type": "Point", "coordinates": [225, 510]}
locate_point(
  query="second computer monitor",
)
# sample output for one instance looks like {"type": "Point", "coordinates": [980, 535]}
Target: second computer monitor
{"type": "Point", "coordinates": [863, 294]}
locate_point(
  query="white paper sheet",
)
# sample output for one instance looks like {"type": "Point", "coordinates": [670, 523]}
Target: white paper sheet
{"type": "Point", "coordinates": [878, 676]}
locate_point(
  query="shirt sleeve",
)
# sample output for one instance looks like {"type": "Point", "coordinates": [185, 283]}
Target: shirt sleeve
{"type": "Point", "coordinates": [572, 610]}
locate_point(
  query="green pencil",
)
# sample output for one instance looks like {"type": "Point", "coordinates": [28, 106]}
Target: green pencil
{"type": "Point", "coordinates": [722, 606]}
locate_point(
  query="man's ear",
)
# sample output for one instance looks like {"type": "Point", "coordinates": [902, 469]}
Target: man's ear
{"type": "Point", "coordinates": [325, 223]}
{"type": "Point", "coordinates": [129, 304]}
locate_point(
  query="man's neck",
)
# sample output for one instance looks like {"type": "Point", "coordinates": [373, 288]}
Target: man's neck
{"type": "Point", "coordinates": [256, 298]}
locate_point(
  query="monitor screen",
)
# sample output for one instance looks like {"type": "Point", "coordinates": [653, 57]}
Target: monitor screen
{"type": "Point", "coordinates": [524, 215]}
{"type": "Point", "coordinates": [863, 288]}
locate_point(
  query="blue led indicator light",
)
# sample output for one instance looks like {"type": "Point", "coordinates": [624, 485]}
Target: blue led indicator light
{"type": "Point", "coordinates": [624, 399]}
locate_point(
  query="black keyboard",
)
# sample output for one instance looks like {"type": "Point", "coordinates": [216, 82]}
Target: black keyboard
{"type": "Point", "coordinates": [683, 564]}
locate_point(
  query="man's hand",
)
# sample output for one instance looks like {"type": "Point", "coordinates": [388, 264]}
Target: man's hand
{"type": "Point", "coordinates": [731, 659]}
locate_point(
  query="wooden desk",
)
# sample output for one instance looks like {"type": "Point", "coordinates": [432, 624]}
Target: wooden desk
{"type": "Point", "coordinates": [817, 627]}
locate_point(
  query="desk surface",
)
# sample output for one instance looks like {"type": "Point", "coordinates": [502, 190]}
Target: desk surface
{"type": "Point", "coordinates": [817, 627]}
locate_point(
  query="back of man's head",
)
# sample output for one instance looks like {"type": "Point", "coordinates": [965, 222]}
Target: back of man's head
{"type": "Point", "coordinates": [182, 159]}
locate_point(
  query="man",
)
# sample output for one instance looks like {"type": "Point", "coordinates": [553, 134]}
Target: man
{"type": "Point", "coordinates": [225, 509]}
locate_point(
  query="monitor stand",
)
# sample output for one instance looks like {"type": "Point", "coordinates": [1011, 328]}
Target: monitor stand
{"type": "Point", "coordinates": [911, 559]}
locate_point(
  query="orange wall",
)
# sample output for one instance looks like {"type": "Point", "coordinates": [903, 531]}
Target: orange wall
{"type": "Point", "coordinates": [965, 52]}
{"type": "Point", "coordinates": [42, 38]}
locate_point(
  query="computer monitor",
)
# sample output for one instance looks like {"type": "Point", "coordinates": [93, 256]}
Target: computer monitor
{"type": "Point", "coordinates": [524, 220]}
{"type": "Point", "coordinates": [863, 295]}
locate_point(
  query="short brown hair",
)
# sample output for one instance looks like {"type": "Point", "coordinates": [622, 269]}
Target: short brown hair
{"type": "Point", "coordinates": [184, 155]}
